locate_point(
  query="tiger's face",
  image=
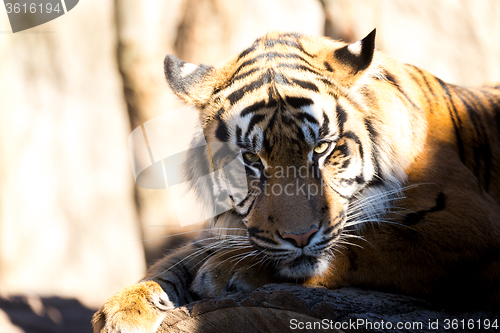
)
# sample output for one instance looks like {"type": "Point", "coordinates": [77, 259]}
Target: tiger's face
{"type": "Point", "coordinates": [286, 104]}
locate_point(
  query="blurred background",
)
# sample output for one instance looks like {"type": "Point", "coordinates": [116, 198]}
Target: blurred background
{"type": "Point", "coordinates": [74, 228]}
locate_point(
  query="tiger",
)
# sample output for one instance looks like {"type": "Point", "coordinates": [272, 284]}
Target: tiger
{"type": "Point", "coordinates": [399, 190]}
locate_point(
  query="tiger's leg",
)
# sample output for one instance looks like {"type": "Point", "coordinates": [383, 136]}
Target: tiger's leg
{"type": "Point", "coordinates": [141, 307]}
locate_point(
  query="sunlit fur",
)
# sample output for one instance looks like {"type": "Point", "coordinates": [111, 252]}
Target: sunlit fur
{"type": "Point", "coordinates": [409, 187]}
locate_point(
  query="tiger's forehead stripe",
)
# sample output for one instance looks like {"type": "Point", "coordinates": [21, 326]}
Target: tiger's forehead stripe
{"type": "Point", "coordinates": [288, 53]}
{"type": "Point", "coordinates": [298, 120]}
{"type": "Point", "coordinates": [273, 54]}
{"type": "Point", "coordinates": [270, 76]}
{"type": "Point", "coordinates": [264, 77]}
{"type": "Point", "coordinates": [292, 40]}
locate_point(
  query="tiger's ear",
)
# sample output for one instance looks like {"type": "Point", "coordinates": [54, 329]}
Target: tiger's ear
{"type": "Point", "coordinates": [353, 59]}
{"type": "Point", "coordinates": [193, 83]}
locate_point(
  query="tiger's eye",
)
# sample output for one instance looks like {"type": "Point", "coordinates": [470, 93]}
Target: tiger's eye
{"type": "Point", "coordinates": [320, 149]}
{"type": "Point", "coordinates": [251, 158]}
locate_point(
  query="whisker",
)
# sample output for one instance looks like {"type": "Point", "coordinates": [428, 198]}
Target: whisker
{"type": "Point", "coordinates": [248, 255]}
{"type": "Point", "coordinates": [357, 237]}
{"type": "Point", "coordinates": [220, 252]}
{"type": "Point", "coordinates": [217, 244]}
{"type": "Point", "coordinates": [190, 232]}
{"type": "Point", "coordinates": [231, 257]}
{"type": "Point", "coordinates": [348, 243]}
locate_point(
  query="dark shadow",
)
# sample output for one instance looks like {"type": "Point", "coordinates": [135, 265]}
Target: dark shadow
{"type": "Point", "coordinates": [47, 314]}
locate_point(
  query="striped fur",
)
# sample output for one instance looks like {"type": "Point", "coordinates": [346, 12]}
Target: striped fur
{"type": "Point", "coordinates": [386, 145]}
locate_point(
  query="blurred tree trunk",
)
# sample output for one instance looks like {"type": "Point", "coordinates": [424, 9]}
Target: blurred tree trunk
{"type": "Point", "coordinates": [458, 41]}
{"type": "Point", "coordinates": [67, 218]}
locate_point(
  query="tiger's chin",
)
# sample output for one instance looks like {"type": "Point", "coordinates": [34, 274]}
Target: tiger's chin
{"type": "Point", "coordinates": [303, 267]}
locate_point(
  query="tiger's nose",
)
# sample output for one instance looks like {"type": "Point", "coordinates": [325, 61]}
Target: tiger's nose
{"type": "Point", "coordinates": [301, 240]}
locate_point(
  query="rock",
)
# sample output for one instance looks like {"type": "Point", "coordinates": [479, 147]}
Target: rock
{"type": "Point", "coordinates": [286, 307]}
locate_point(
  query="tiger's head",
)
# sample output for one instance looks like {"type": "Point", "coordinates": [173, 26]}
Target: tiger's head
{"type": "Point", "coordinates": [298, 112]}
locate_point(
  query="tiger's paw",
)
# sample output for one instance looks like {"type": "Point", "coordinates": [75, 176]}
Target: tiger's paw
{"type": "Point", "coordinates": [138, 308]}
